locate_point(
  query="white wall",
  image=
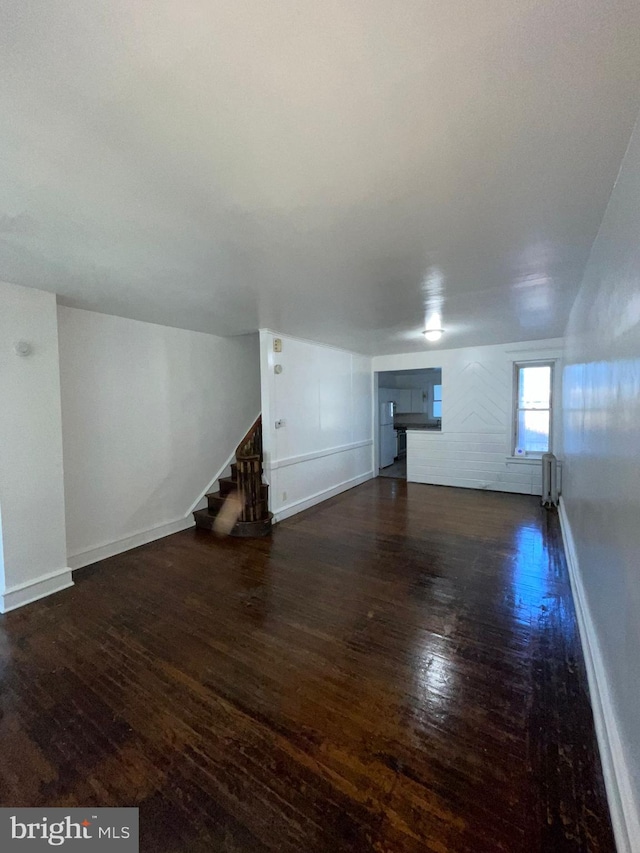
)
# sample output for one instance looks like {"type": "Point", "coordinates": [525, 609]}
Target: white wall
{"type": "Point", "coordinates": [150, 416]}
{"type": "Point", "coordinates": [31, 484]}
{"type": "Point", "coordinates": [324, 396]}
{"type": "Point", "coordinates": [601, 495]}
{"type": "Point", "coordinates": [473, 449]}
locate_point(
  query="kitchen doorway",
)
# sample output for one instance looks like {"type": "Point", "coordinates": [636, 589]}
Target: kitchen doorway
{"type": "Point", "coordinates": [407, 400]}
{"type": "Point", "coordinates": [397, 470]}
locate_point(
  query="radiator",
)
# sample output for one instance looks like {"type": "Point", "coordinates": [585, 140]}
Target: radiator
{"type": "Point", "coordinates": [549, 480]}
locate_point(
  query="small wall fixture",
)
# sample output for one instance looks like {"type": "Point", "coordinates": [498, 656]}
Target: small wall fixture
{"type": "Point", "coordinates": [277, 368]}
{"type": "Point", "coordinates": [433, 334]}
{"type": "Point", "coordinates": [23, 348]}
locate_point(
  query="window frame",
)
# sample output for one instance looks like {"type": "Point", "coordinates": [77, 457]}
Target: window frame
{"type": "Point", "coordinates": [517, 366]}
{"type": "Point", "coordinates": [434, 401]}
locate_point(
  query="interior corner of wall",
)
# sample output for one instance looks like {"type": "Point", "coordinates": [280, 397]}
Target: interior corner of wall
{"type": "Point", "coordinates": [2, 579]}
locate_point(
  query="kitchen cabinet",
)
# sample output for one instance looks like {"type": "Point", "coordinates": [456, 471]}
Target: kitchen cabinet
{"type": "Point", "coordinates": [417, 401]}
{"type": "Point", "coordinates": [403, 400]}
{"type": "Point", "coordinates": [407, 400]}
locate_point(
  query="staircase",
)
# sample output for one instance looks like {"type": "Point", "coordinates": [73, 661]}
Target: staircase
{"type": "Point", "coordinates": [246, 481]}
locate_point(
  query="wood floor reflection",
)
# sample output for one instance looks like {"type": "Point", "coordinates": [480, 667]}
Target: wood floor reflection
{"type": "Point", "coordinates": [398, 669]}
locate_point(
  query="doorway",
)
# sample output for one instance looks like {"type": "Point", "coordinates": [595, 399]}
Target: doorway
{"type": "Point", "coordinates": [397, 470]}
{"type": "Point", "coordinates": [407, 400]}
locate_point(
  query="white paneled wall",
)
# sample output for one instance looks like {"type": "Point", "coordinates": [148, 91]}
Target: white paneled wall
{"type": "Point", "coordinates": [471, 461]}
{"type": "Point", "coordinates": [600, 507]}
{"type": "Point", "coordinates": [473, 449]}
{"type": "Point", "coordinates": [323, 396]}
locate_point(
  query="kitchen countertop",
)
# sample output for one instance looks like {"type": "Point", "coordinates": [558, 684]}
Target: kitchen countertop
{"type": "Point", "coordinates": [417, 427]}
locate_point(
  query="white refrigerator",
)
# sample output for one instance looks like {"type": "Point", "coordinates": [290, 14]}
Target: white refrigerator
{"type": "Point", "coordinates": [388, 438]}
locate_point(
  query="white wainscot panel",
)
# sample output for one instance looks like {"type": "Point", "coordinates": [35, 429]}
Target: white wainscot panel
{"type": "Point", "coordinates": [299, 485]}
{"type": "Point", "coordinates": [313, 396]}
{"type": "Point", "coordinates": [446, 460]}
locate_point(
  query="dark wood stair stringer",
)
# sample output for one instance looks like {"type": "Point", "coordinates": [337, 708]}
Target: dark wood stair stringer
{"type": "Point", "coordinates": [246, 479]}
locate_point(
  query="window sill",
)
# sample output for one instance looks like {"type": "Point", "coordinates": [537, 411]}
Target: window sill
{"type": "Point", "coordinates": [524, 460]}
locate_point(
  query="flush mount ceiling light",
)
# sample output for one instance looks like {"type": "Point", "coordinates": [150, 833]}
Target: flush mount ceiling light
{"type": "Point", "coordinates": [433, 335]}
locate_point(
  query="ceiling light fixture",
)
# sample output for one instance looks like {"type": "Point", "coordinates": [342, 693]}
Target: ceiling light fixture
{"type": "Point", "coordinates": [433, 335]}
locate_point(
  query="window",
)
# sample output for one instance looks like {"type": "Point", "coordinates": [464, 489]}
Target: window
{"type": "Point", "coordinates": [532, 416]}
{"type": "Point", "coordinates": [437, 401]}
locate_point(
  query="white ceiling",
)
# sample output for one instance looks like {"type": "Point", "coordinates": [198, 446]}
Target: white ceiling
{"type": "Point", "coordinates": [327, 169]}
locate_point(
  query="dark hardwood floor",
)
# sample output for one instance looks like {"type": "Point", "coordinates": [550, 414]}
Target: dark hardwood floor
{"type": "Point", "coordinates": [398, 669]}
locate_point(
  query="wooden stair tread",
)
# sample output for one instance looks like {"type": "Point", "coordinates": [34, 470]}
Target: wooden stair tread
{"type": "Point", "coordinates": [205, 513]}
{"type": "Point", "coordinates": [205, 519]}
{"type": "Point", "coordinates": [227, 485]}
{"type": "Point", "coordinates": [219, 494]}
{"type": "Point", "coordinates": [215, 502]}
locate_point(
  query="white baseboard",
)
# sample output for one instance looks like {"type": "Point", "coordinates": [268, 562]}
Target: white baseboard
{"type": "Point", "coordinates": [298, 506]}
{"type": "Point", "coordinates": [623, 804]}
{"type": "Point", "coordinates": [110, 549]}
{"type": "Point", "coordinates": [25, 593]}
